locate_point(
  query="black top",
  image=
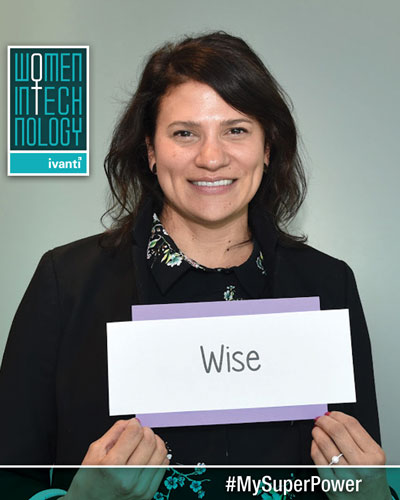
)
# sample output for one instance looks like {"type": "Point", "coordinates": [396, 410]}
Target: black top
{"type": "Point", "coordinates": [180, 279]}
{"type": "Point", "coordinates": [53, 380]}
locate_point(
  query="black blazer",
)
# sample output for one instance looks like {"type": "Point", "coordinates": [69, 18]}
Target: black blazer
{"type": "Point", "coordinates": [53, 380]}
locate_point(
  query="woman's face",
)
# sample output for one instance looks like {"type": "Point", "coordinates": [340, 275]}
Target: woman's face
{"type": "Point", "coordinates": [209, 156]}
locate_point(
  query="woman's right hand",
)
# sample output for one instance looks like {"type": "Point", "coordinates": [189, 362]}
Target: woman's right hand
{"type": "Point", "coordinates": [125, 443]}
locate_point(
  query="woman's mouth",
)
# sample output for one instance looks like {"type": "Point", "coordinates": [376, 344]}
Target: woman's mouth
{"type": "Point", "coordinates": [222, 182]}
{"type": "Point", "coordinates": [219, 186]}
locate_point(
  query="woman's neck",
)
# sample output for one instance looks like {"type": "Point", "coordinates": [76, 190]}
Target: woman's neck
{"type": "Point", "coordinates": [214, 245]}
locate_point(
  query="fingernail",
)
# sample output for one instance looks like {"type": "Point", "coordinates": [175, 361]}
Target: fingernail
{"type": "Point", "coordinates": [328, 413]}
{"type": "Point", "coordinates": [315, 419]}
{"type": "Point", "coordinates": [138, 419]}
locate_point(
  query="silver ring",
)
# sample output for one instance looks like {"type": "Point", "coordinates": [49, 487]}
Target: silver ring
{"type": "Point", "coordinates": [335, 459]}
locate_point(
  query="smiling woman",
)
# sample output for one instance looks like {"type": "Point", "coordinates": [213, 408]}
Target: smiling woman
{"type": "Point", "coordinates": [208, 170]}
{"type": "Point", "coordinates": [224, 92]}
{"type": "Point", "coordinates": [205, 177]}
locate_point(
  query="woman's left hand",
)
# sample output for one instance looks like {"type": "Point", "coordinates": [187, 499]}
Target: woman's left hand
{"type": "Point", "coordinates": [335, 434]}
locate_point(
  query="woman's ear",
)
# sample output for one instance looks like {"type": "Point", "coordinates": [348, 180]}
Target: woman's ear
{"type": "Point", "coordinates": [150, 154]}
{"type": "Point", "coordinates": [266, 154]}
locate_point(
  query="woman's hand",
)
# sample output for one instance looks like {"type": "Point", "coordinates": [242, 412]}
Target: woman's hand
{"type": "Point", "coordinates": [335, 434]}
{"type": "Point", "coordinates": [125, 443]}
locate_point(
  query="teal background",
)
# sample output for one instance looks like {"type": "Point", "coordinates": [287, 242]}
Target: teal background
{"type": "Point", "coordinates": [51, 107]}
{"type": "Point", "coordinates": [37, 163]}
{"type": "Point", "coordinates": [337, 59]}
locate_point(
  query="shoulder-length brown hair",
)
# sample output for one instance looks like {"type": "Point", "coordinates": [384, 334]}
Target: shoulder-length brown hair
{"type": "Point", "coordinates": [228, 65]}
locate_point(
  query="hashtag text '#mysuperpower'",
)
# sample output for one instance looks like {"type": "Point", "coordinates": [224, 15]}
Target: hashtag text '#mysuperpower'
{"type": "Point", "coordinates": [285, 486]}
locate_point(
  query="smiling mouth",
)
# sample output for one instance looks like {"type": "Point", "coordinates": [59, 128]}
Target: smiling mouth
{"type": "Point", "coordinates": [222, 182]}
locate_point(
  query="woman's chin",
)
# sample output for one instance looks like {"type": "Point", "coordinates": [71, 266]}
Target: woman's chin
{"type": "Point", "coordinates": [207, 214]}
{"type": "Point", "coordinates": [212, 218]}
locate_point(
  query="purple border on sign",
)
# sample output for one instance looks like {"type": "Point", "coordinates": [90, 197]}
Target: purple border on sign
{"type": "Point", "coordinates": [224, 308]}
{"type": "Point", "coordinates": [228, 308]}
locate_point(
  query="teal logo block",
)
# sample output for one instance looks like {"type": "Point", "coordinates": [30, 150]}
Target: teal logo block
{"type": "Point", "coordinates": [48, 110]}
{"type": "Point", "coordinates": [48, 164]}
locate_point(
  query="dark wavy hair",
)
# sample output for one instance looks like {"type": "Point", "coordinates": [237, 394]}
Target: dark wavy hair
{"type": "Point", "coordinates": [228, 65]}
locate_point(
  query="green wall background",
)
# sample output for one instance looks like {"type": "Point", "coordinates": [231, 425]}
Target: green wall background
{"type": "Point", "coordinates": [337, 59]}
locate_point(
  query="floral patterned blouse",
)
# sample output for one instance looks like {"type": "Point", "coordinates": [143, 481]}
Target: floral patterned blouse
{"type": "Point", "coordinates": [181, 279]}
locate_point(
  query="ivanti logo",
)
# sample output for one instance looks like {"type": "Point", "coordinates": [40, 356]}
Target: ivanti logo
{"type": "Point", "coordinates": [65, 164]}
{"type": "Point", "coordinates": [48, 110]}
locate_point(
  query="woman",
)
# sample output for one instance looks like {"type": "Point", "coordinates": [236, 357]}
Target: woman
{"type": "Point", "coordinates": [205, 176]}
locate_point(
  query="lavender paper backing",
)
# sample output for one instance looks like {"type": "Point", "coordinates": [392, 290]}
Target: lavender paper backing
{"type": "Point", "coordinates": [209, 309]}
{"type": "Point", "coordinates": [224, 308]}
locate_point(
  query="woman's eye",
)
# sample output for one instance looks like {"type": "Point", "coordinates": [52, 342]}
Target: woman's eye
{"type": "Point", "coordinates": [182, 133]}
{"type": "Point", "coordinates": [238, 130]}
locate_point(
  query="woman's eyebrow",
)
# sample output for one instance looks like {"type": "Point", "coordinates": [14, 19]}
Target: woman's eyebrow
{"type": "Point", "coordinates": [236, 121]}
{"type": "Point", "coordinates": [184, 124]}
{"type": "Point", "coordinates": [190, 123]}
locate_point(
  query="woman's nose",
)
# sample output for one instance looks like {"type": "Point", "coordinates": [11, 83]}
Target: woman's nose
{"type": "Point", "coordinates": [212, 154]}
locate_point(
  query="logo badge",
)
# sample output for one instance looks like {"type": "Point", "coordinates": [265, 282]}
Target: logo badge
{"type": "Point", "coordinates": [48, 110]}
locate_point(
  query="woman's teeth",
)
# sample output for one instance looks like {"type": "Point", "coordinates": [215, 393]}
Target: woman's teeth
{"type": "Point", "coordinates": [224, 182]}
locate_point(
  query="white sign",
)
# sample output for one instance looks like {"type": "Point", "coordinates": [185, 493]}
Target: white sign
{"type": "Point", "coordinates": [230, 362]}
